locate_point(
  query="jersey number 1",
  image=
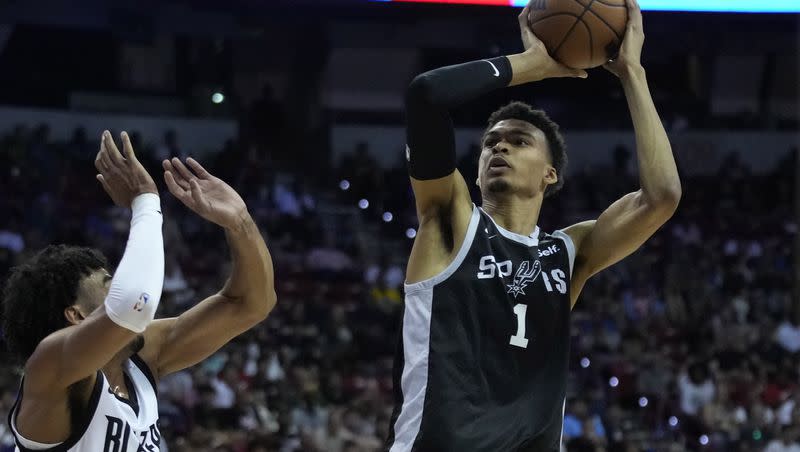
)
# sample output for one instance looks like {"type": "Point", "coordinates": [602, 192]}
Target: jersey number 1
{"type": "Point", "coordinates": [519, 338]}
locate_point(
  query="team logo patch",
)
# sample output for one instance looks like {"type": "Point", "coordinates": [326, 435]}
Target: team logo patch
{"type": "Point", "coordinates": [526, 274]}
{"type": "Point", "coordinates": [143, 299]}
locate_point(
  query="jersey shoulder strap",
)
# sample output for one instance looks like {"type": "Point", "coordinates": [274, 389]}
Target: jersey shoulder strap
{"type": "Point", "coordinates": [78, 429]}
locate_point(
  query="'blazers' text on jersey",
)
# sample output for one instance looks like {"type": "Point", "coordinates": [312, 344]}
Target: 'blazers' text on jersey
{"type": "Point", "coordinates": [484, 357]}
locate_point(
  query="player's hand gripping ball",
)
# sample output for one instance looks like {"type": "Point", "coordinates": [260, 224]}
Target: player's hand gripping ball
{"type": "Point", "coordinates": [581, 34]}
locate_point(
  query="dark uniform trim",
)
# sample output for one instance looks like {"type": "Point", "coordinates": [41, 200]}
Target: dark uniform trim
{"type": "Point", "coordinates": [75, 436]}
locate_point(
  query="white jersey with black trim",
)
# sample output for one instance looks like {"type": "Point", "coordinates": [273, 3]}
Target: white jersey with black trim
{"type": "Point", "coordinates": [113, 424]}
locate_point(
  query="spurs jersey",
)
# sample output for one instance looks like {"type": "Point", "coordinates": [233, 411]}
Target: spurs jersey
{"type": "Point", "coordinates": [483, 362]}
{"type": "Point", "coordinates": [112, 424]}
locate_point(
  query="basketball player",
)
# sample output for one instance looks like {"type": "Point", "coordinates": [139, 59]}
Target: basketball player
{"type": "Point", "coordinates": [92, 352]}
{"type": "Point", "coordinates": [483, 364]}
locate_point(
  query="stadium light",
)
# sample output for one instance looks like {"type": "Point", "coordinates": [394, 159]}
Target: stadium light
{"type": "Point", "coordinates": [363, 204]}
{"type": "Point", "coordinates": [344, 185]}
{"type": "Point", "coordinates": [387, 216]}
{"type": "Point", "coordinates": [673, 421]}
{"type": "Point", "coordinates": [217, 98]}
{"type": "Point", "coordinates": [720, 6]}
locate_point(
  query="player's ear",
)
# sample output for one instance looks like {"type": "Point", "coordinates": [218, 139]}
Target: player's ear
{"type": "Point", "coordinates": [73, 314]}
{"type": "Point", "coordinates": [550, 175]}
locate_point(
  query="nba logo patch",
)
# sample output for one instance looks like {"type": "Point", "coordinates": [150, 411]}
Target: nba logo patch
{"type": "Point", "coordinates": [143, 299]}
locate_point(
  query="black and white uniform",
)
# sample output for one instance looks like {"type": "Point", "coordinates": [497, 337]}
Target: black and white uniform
{"type": "Point", "coordinates": [112, 424]}
{"type": "Point", "coordinates": [485, 347]}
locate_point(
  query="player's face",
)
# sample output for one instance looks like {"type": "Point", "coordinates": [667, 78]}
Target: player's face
{"type": "Point", "coordinates": [92, 292]}
{"type": "Point", "coordinates": [515, 159]}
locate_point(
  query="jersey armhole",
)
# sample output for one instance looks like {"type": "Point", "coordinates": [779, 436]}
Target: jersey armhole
{"type": "Point", "coordinates": [74, 437]}
{"type": "Point", "coordinates": [144, 368]}
{"type": "Point", "coordinates": [570, 245]}
{"type": "Point", "coordinates": [453, 266]}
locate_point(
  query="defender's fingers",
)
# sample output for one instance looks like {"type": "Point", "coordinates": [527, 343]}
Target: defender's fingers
{"type": "Point", "coordinates": [111, 149]}
{"type": "Point", "coordinates": [174, 188]}
{"type": "Point", "coordinates": [197, 193]}
{"type": "Point", "coordinates": [103, 182]}
{"type": "Point", "coordinates": [176, 176]}
{"type": "Point", "coordinates": [127, 147]}
{"type": "Point", "coordinates": [197, 168]}
{"type": "Point", "coordinates": [182, 170]}
{"type": "Point", "coordinates": [105, 161]}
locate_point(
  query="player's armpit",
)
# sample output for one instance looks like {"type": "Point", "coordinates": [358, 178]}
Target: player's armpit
{"type": "Point", "coordinates": [619, 231]}
{"type": "Point", "coordinates": [445, 194]}
{"type": "Point", "coordinates": [444, 209]}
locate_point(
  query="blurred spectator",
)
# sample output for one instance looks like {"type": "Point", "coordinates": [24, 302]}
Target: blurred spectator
{"type": "Point", "coordinates": [696, 389]}
{"type": "Point", "coordinates": [787, 442]}
{"type": "Point", "coordinates": [326, 258]}
{"type": "Point", "coordinates": [788, 335]}
{"type": "Point", "coordinates": [579, 423]}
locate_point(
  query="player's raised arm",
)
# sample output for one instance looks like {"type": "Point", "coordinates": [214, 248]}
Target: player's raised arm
{"type": "Point", "coordinates": [248, 295]}
{"type": "Point", "coordinates": [77, 352]}
{"type": "Point", "coordinates": [631, 220]}
{"type": "Point", "coordinates": [442, 197]}
{"type": "Point", "coordinates": [430, 138]}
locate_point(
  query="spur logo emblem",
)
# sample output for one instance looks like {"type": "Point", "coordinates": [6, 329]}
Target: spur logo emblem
{"type": "Point", "coordinates": [526, 274]}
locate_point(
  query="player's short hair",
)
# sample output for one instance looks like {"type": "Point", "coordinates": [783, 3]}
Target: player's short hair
{"type": "Point", "coordinates": [540, 120]}
{"type": "Point", "coordinates": [37, 292]}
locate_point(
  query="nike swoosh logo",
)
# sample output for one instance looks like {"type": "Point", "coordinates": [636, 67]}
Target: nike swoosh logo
{"type": "Point", "coordinates": [492, 236]}
{"type": "Point", "coordinates": [496, 72]}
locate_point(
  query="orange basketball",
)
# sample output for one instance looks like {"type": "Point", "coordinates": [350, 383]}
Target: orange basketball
{"type": "Point", "coordinates": [580, 34]}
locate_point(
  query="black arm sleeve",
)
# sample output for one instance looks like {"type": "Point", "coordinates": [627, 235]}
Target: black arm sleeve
{"type": "Point", "coordinates": [431, 152]}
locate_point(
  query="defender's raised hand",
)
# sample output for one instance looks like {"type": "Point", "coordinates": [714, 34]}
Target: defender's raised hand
{"type": "Point", "coordinates": [121, 174]}
{"type": "Point", "coordinates": [205, 194]}
{"type": "Point", "coordinates": [630, 53]}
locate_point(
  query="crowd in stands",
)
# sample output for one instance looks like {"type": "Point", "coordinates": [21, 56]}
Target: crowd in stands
{"type": "Point", "coordinates": [692, 343]}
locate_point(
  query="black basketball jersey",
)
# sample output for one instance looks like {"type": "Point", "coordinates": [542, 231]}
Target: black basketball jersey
{"type": "Point", "coordinates": [484, 356]}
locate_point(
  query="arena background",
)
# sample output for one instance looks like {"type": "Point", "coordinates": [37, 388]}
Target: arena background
{"type": "Point", "coordinates": [693, 343]}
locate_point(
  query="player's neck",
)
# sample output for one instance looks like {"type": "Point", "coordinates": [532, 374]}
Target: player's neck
{"type": "Point", "coordinates": [514, 213]}
{"type": "Point", "coordinates": [114, 367]}
{"type": "Point", "coordinates": [115, 375]}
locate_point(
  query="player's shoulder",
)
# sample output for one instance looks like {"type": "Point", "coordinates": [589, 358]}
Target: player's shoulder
{"type": "Point", "coordinates": [554, 236]}
{"type": "Point", "coordinates": [39, 369]}
{"type": "Point", "coordinates": [576, 232]}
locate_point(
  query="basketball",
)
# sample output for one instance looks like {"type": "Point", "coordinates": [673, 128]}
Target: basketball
{"type": "Point", "coordinates": [581, 34]}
